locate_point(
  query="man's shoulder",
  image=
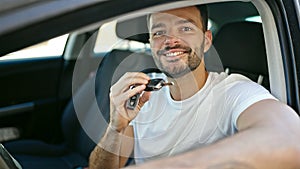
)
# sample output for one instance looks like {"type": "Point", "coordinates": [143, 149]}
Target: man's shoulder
{"type": "Point", "coordinates": [240, 84]}
{"type": "Point", "coordinates": [234, 83]}
{"type": "Point", "coordinates": [237, 77]}
{"type": "Point", "coordinates": [228, 79]}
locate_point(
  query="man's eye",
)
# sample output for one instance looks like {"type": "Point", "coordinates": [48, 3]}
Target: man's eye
{"type": "Point", "coordinates": [159, 33]}
{"type": "Point", "coordinates": [186, 29]}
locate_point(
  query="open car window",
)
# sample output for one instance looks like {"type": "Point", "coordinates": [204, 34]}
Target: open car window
{"type": "Point", "coordinates": [109, 38]}
{"type": "Point", "coordinates": [50, 48]}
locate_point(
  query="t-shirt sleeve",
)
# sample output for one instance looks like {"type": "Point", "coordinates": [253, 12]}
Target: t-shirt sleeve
{"type": "Point", "coordinates": [242, 95]}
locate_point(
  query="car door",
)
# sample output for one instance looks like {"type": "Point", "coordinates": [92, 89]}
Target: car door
{"type": "Point", "coordinates": [30, 84]}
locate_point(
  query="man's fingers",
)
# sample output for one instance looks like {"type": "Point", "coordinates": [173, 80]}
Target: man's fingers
{"type": "Point", "coordinates": [120, 94]}
{"type": "Point", "coordinates": [120, 99]}
{"type": "Point", "coordinates": [143, 100]}
{"type": "Point", "coordinates": [135, 74]}
{"type": "Point", "coordinates": [133, 82]}
{"type": "Point", "coordinates": [131, 114]}
{"type": "Point", "coordinates": [133, 91]}
{"type": "Point", "coordinates": [128, 80]}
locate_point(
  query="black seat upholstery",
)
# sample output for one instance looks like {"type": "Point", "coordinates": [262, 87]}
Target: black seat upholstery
{"type": "Point", "coordinates": [121, 62]}
{"type": "Point", "coordinates": [241, 48]}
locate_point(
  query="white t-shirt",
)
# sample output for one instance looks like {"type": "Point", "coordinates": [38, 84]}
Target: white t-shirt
{"type": "Point", "coordinates": [165, 127]}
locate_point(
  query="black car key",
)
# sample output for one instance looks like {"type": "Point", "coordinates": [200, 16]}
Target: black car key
{"type": "Point", "coordinates": [153, 85]}
{"type": "Point", "coordinates": [156, 84]}
{"type": "Point", "coordinates": [133, 101]}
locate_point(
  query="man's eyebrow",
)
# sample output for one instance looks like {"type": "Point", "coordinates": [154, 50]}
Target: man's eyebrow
{"type": "Point", "coordinates": [183, 21]}
{"type": "Point", "coordinates": [159, 25]}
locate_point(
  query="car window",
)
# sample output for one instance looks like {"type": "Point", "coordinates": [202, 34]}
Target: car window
{"type": "Point", "coordinates": [50, 48]}
{"type": "Point", "coordinates": [107, 40]}
{"type": "Point", "coordinates": [253, 19]}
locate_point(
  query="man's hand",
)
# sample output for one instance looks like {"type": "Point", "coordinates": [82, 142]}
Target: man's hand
{"type": "Point", "coordinates": [117, 143]}
{"type": "Point", "coordinates": [120, 92]}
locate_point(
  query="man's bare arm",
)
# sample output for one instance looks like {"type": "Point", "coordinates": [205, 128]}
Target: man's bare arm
{"type": "Point", "coordinates": [113, 150]}
{"type": "Point", "coordinates": [268, 138]}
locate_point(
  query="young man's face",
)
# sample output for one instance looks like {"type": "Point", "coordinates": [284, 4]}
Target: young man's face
{"type": "Point", "coordinates": [177, 40]}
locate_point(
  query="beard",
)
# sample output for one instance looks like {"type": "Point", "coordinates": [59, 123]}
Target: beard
{"type": "Point", "coordinates": [193, 61]}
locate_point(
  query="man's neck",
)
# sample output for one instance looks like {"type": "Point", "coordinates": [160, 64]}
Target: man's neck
{"type": "Point", "coordinates": [189, 84]}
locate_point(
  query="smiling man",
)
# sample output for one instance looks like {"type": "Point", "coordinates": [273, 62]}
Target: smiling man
{"type": "Point", "coordinates": [205, 120]}
{"type": "Point", "coordinates": [175, 41]}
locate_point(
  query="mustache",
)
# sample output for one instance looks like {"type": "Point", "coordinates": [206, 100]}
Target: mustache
{"type": "Point", "coordinates": [167, 48]}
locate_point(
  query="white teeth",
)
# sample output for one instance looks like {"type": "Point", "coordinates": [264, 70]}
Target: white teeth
{"type": "Point", "coordinates": [173, 54]}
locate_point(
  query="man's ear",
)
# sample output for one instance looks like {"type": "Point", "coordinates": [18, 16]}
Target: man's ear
{"type": "Point", "coordinates": [207, 40]}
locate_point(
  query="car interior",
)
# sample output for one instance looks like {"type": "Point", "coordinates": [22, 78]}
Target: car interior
{"type": "Point", "coordinates": [69, 130]}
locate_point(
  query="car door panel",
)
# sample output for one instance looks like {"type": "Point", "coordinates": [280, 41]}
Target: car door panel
{"type": "Point", "coordinates": [29, 89]}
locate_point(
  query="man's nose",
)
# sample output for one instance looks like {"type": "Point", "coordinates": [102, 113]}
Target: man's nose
{"type": "Point", "coordinates": [171, 40]}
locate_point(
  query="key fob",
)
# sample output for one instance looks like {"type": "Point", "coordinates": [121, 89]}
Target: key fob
{"type": "Point", "coordinates": [133, 101]}
{"type": "Point", "coordinates": [156, 83]}
{"type": "Point", "coordinates": [153, 85]}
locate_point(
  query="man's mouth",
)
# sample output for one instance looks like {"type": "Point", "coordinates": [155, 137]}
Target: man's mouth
{"type": "Point", "coordinates": [172, 54]}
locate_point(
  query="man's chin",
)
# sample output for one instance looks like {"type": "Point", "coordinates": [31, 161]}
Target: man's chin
{"type": "Point", "coordinates": [177, 74]}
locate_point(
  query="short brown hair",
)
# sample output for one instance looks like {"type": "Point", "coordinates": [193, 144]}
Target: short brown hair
{"type": "Point", "coordinates": [203, 13]}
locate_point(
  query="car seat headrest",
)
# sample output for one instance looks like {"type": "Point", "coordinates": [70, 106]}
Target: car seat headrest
{"type": "Point", "coordinates": [133, 29]}
{"type": "Point", "coordinates": [241, 46]}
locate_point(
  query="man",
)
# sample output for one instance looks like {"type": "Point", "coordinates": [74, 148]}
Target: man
{"type": "Point", "coordinates": [235, 128]}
